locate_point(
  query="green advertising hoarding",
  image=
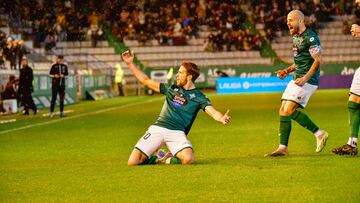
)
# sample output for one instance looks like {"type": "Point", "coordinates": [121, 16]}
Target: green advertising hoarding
{"type": "Point", "coordinates": [92, 83]}
{"type": "Point", "coordinates": [42, 90]}
{"type": "Point", "coordinates": [208, 75]}
{"type": "Point", "coordinates": [88, 83]}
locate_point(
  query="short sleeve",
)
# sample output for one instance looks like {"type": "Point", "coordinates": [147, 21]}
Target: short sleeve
{"type": "Point", "coordinates": [204, 102]}
{"type": "Point", "coordinates": [314, 46]}
{"type": "Point", "coordinates": [163, 88]}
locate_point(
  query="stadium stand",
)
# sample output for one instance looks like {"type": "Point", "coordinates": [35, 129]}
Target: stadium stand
{"type": "Point", "coordinates": [156, 56]}
{"type": "Point", "coordinates": [337, 47]}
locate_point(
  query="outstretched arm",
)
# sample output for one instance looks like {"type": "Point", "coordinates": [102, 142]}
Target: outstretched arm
{"type": "Point", "coordinates": [216, 115]}
{"type": "Point", "coordinates": [142, 77]}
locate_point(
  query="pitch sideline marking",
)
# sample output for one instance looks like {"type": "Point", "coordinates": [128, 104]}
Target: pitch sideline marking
{"type": "Point", "coordinates": [80, 115]}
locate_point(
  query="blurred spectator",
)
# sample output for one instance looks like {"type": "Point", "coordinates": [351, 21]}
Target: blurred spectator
{"type": "Point", "coordinates": [119, 79]}
{"type": "Point", "coordinates": [11, 88]}
{"type": "Point", "coordinates": [95, 31]}
{"type": "Point", "coordinates": [221, 74]}
{"type": "Point", "coordinates": [9, 95]}
{"type": "Point", "coordinates": [26, 87]}
{"type": "Point", "coordinates": [50, 43]}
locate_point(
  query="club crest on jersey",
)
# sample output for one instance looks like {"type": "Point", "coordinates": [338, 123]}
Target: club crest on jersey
{"type": "Point", "coordinates": [179, 100]}
{"type": "Point", "coordinates": [298, 41]}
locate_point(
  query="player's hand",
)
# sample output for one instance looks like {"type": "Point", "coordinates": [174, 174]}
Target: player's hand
{"type": "Point", "coordinates": [61, 75]}
{"type": "Point", "coordinates": [128, 56]}
{"type": "Point", "coordinates": [300, 81]}
{"type": "Point", "coordinates": [281, 73]}
{"type": "Point", "coordinates": [56, 76]}
{"type": "Point", "coordinates": [226, 118]}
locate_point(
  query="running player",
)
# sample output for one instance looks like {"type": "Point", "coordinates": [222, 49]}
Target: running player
{"type": "Point", "coordinates": [307, 56]}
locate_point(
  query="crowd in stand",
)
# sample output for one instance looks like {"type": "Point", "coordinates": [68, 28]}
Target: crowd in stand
{"type": "Point", "coordinates": [50, 21]}
{"type": "Point", "coordinates": [167, 21]}
{"type": "Point", "coordinates": [273, 13]}
{"type": "Point", "coordinates": [11, 50]}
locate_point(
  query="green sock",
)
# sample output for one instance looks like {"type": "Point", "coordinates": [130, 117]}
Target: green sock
{"type": "Point", "coordinates": [175, 160]}
{"type": "Point", "coordinates": [354, 117]}
{"type": "Point", "coordinates": [304, 121]}
{"type": "Point", "coordinates": [285, 129]}
{"type": "Point", "coordinates": [151, 160]}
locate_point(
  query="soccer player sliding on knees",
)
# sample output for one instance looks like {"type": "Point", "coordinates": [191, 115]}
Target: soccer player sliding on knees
{"type": "Point", "coordinates": [182, 103]}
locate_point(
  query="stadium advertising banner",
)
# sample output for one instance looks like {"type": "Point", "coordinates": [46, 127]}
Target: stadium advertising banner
{"type": "Point", "coordinates": [42, 90]}
{"type": "Point", "coordinates": [232, 85]}
{"type": "Point", "coordinates": [209, 75]}
{"type": "Point", "coordinates": [95, 86]}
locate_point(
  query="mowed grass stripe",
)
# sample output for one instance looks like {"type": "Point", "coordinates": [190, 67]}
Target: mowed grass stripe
{"type": "Point", "coordinates": [81, 115]}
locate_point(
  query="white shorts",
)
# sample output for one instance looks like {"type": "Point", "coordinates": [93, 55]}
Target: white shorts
{"type": "Point", "coordinates": [298, 94]}
{"type": "Point", "coordinates": [355, 85]}
{"type": "Point", "coordinates": [156, 136]}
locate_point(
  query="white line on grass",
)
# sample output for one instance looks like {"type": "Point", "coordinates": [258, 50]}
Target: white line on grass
{"type": "Point", "coordinates": [80, 115]}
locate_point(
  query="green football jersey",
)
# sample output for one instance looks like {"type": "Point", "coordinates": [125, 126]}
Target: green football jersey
{"type": "Point", "coordinates": [305, 46]}
{"type": "Point", "coordinates": [180, 107]}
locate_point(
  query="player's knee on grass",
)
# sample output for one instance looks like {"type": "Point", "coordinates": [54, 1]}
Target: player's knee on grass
{"type": "Point", "coordinates": [187, 160]}
{"type": "Point", "coordinates": [136, 158]}
{"type": "Point", "coordinates": [186, 156]}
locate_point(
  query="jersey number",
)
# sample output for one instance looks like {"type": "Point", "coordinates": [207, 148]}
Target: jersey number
{"type": "Point", "coordinates": [146, 136]}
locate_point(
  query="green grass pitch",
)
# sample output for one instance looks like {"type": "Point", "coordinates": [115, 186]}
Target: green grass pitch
{"type": "Point", "coordinates": [83, 157]}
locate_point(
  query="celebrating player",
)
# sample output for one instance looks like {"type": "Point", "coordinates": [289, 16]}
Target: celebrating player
{"type": "Point", "coordinates": [307, 56]}
{"type": "Point", "coordinates": [353, 106]}
{"type": "Point", "coordinates": [182, 103]}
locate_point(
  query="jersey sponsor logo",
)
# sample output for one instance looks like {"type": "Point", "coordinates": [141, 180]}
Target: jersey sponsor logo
{"type": "Point", "coordinates": [179, 100]}
{"type": "Point", "coordinates": [298, 41]}
{"type": "Point", "coordinates": [315, 50]}
{"type": "Point", "coordinates": [192, 96]}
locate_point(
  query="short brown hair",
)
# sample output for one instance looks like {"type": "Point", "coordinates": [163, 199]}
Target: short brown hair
{"type": "Point", "coordinates": [192, 69]}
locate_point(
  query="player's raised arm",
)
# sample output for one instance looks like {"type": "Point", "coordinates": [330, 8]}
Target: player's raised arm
{"type": "Point", "coordinates": [128, 58]}
{"type": "Point", "coordinates": [216, 115]}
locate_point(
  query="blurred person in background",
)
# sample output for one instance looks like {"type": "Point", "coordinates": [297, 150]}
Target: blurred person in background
{"type": "Point", "coordinates": [58, 72]}
{"type": "Point", "coordinates": [119, 79]}
{"type": "Point", "coordinates": [26, 87]}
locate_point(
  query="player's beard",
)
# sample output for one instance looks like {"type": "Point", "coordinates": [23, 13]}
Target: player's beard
{"type": "Point", "coordinates": [293, 30]}
{"type": "Point", "coordinates": [181, 83]}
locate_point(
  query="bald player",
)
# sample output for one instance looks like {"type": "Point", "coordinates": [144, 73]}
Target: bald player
{"type": "Point", "coordinates": [306, 68]}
